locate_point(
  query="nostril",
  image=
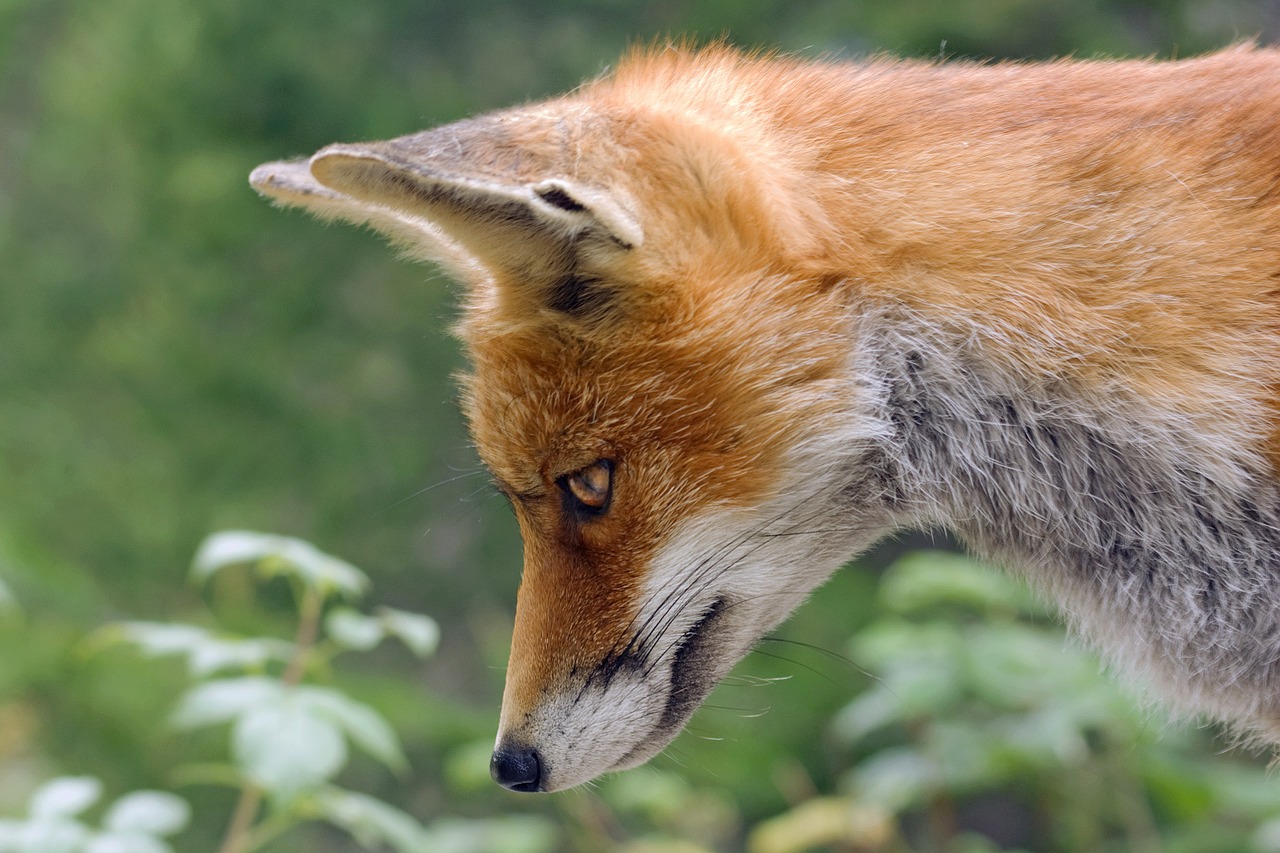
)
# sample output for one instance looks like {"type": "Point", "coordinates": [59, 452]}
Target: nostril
{"type": "Point", "coordinates": [517, 768]}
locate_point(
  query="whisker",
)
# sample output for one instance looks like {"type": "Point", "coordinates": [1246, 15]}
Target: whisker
{"type": "Point", "coordinates": [424, 490]}
{"type": "Point", "coordinates": [795, 662]}
{"type": "Point", "coordinates": [836, 656]}
{"type": "Point", "coordinates": [744, 713]}
{"type": "Point", "coordinates": [754, 680]}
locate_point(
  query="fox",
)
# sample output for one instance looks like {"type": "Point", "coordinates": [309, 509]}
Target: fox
{"type": "Point", "coordinates": [733, 317]}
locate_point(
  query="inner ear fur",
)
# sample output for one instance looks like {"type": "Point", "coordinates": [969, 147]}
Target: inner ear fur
{"type": "Point", "coordinates": [524, 229]}
{"type": "Point", "coordinates": [482, 194]}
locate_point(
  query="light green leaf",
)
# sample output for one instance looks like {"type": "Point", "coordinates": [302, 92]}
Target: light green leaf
{"type": "Point", "coordinates": [884, 643]}
{"type": "Point", "coordinates": [126, 842]}
{"type": "Point", "coordinates": [1016, 665]}
{"type": "Point", "coordinates": [217, 654]}
{"type": "Point", "coordinates": [372, 822]}
{"type": "Point", "coordinates": [420, 633]}
{"type": "Point", "coordinates": [353, 630]}
{"type": "Point", "coordinates": [362, 724]}
{"type": "Point", "coordinates": [8, 601]}
{"type": "Point", "coordinates": [874, 709]}
{"type": "Point", "coordinates": [655, 793]}
{"type": "Point", "coordinates": [927, 579]}
{"type": "Point", "coordinates": [149, 812]}
{"type": "Point", "coordinates": [161, 638]}
{"type": "Point", "coordinates": [514, 834]}
{"type": "Point", "coordinates": [10, 835]}
{"type": "Point", "coordinates": [920, 666]}
{"type": "Point", "coordinates": [206, 653]}
{"type": "Point", "coordinates": [52, 836]}
{"type": "Point", "coordinates": [1266, 839]}
{"type": "Point", "coordinates": [278, 555]}
{"type": "Point", "coordinates": [895, 779]}
{"type": "Point", "coordinates": [224, 700]}
{"type": "Point", "coordinates": [287, 748]}
{"type": "Point", "coordinates": [65, 796]}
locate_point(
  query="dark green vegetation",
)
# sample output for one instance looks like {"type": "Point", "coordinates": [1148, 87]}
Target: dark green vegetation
{"type": "Point", "coordinates": [176, 358]}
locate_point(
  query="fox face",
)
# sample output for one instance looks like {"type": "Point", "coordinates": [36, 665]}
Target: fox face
{"type": "Point", "coordinates": [626, 394]}
{"type": "Point", "coordinates": [731, 320]}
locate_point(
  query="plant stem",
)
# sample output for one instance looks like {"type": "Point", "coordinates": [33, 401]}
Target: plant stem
{"type": "Point", "coordinates": [269, 829]}
{"type": "Point", "coordinates": [242, 819]}
{"type": "Point", "coordinates": [310, 609]}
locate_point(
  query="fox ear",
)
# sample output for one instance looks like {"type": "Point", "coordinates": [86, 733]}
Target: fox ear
{"type": "Point", "coordinates": [536, 227]}
{"type": "Point", "coordinates": [290, 182]}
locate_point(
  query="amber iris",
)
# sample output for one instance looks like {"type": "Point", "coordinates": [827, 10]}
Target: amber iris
{"type": "Point", "coordinates": [592, 486]}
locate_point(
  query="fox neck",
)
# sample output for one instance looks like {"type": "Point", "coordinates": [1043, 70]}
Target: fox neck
{"type": "Point", "coordinates": [1159, 542]}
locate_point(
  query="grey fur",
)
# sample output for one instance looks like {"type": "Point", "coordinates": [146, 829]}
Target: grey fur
{"type": "Point", "coordinates": [1167, 558]}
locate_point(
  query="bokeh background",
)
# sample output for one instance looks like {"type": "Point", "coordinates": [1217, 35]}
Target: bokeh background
{"type": "Point", "coordinates": [177, 357]}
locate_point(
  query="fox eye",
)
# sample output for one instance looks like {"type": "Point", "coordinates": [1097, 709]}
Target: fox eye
{"type": "Point", "coordinates": [589, 490]}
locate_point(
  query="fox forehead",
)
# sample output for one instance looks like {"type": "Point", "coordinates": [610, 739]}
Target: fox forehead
{"type": "Point", "coordinates": [694, 413]}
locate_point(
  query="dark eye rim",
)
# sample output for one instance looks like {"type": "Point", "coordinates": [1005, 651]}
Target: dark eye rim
{"type": "Point", "coordinates": [574, 505]}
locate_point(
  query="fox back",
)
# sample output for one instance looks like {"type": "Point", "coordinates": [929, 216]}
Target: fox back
{"type": "Point", "coordinates": [731, 319]}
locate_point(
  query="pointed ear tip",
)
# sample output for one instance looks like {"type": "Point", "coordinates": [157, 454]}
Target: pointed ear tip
{"type": "Point", "coordinates": [265, 176]}
{"type": "Point", "coordinates": [282, 179]}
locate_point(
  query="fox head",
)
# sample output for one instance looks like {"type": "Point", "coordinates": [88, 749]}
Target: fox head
{"type": "Point", "coordinates": [659, 382]}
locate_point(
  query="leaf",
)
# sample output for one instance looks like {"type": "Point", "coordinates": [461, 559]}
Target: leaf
{"type": "Point", "coordinates": [824, 821]}
{"type": "Point", "coordinates": [652, 792]}
{"type": "Point", "coordinates": [928, 579]}
{"type": "Point", "coordinates": [217, 654]}
{"type": "Point", "coordinates": [8, 601]}
{"type": "Point", "coordinates": [371, 821]}
{"type": "Point", "coordinates": [149, 812]}
{"type": "Point", "coordinates": [288, 748]}
{"type": "Point", "coordinates": [353, 630]}
{"type": "Point", "coordinates": [161, 638]}
{"type": "Point", "coordinates": [65, 796]}
{"type": "Point", "coordinates": [278, 555]}
{"type": "Point", "coordinates": [127, 843]}
{"type": "Point", "coordinates": [919, 666]}
{"type": "Point", "coordinates": [1266, 839]}
{"type": "Point", "coordinates": [206, 653]}
{"type": "Point", "coordinates": [362, 724]}
{"type": "Point", "coordinates": [894, 779]}
{"type": "Point", "coordinates": [10, 835]}
{"type": "Point", "coordinates": [52, 836]}
{"type": "Point", "coordinates": [874, 709]}
{"type": "Point", "coordinates": [420, 633]}
{"type": "Point", "coordinates": [224, 700]}
{"type": "Point", "coordinates": [513, 834]}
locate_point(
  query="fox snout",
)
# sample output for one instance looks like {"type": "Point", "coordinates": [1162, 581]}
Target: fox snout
{"type": "Point", "coordinates": [617, 714]}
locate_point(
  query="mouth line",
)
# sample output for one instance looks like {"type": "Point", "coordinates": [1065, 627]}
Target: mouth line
{"type": "Point", "coordinates": [692, 677]}
{"type": "Point", "coordinates": [689, 670]}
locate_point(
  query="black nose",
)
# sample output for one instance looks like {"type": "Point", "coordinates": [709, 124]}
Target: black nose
{"type": "Point", "coordinates": [517, 768]}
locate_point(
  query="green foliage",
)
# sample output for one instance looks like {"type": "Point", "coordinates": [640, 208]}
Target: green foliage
{"type": "Point", "coordinates": [289, 739]}
{"type": "Point", "coordinates": [977, 699]}
{"type": "Point", "coordinates": [180, 357]}
{"type": "Point", "coordinates": [135, 823]}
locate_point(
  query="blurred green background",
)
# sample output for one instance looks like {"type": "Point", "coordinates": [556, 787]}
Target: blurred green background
{"type": "Point", "coordinates": [177, 357]}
